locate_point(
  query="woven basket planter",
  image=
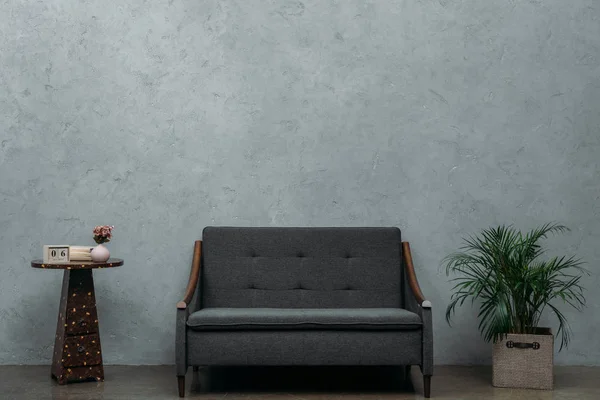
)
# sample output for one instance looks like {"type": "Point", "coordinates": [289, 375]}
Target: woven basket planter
{"type": "Point", "coordinates": [525, 361]}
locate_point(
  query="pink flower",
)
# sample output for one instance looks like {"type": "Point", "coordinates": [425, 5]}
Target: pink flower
{"type": "Point", "coordinates": [103, 233]}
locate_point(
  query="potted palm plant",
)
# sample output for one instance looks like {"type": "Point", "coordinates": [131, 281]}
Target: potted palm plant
{"type": "Point", "coordinates": [501, 269]}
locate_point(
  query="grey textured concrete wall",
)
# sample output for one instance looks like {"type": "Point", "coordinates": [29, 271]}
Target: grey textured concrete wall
{"type": "Point", "coordinates": [161, 117]}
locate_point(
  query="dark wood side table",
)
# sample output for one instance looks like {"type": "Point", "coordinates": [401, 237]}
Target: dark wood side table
{"type": "Point", "coordinates": [77, 352]}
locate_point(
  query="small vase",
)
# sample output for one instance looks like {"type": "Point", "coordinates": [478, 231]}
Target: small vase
{"type": "Point", "coordinates": [100, 253]}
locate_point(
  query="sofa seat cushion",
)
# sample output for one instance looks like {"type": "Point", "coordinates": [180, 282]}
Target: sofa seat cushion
{"type": "Point", "coordinates": [228, 319]}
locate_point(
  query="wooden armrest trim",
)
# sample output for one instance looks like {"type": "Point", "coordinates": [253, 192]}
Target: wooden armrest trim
{"type": "Point", "coordinates": [412, 277]}
{"type": "Point", "coordinates": [194, 275]}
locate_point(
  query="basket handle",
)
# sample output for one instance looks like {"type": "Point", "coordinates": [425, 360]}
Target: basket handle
{"type": "Point", "coordinates": [521, 345]}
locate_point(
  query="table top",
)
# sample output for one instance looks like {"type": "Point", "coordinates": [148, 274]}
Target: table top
{"type": "Point", "coordinates": [111, 263]}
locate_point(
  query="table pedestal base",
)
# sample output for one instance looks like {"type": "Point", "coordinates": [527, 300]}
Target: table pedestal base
{"type": "Point", "coordinates": [77, 350]}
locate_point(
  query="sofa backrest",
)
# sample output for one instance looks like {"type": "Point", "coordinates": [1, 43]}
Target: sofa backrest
{"type": "Point", "coordinates": [301, 267]}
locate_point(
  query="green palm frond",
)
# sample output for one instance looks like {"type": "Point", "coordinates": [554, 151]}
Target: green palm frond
{"type": "Point", "coordinates": [500, 268]}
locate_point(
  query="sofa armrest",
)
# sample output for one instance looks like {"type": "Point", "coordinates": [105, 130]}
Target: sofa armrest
{"type": "Point", "coordinates": [183, 312]}
{"type": "Point", "coordinates": [181, 341]}
{"type": "Point", "coordinates": [194, 276]}
{"type": "Point", "coordinates": [415, 301]}
{"type": "Point", "coordinates": [411, 278]}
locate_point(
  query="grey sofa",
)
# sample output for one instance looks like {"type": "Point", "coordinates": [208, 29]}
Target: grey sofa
{"type": "Point", "coordinates": [303, 296]}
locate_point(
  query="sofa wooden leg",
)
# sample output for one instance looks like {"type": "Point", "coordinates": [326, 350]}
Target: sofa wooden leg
{"type": "Point", "coordinates": [427, 386]}
{"type": "Point", "coordinates": [181, 385]}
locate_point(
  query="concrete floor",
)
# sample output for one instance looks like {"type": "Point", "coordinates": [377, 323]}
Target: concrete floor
{"type": "Point", "coordinates": [370, 383]}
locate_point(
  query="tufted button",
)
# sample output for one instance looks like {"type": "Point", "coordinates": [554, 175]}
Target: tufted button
{"type": "Point", "coordinates": [300, 254]}
{"type": "Point", "coordinates": [348, 255]}
{"type": "Point", "coordinates": [251, 286]}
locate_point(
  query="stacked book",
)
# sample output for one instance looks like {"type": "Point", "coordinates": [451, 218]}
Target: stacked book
{"type": "Point", "coordinates": [80, 253]}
